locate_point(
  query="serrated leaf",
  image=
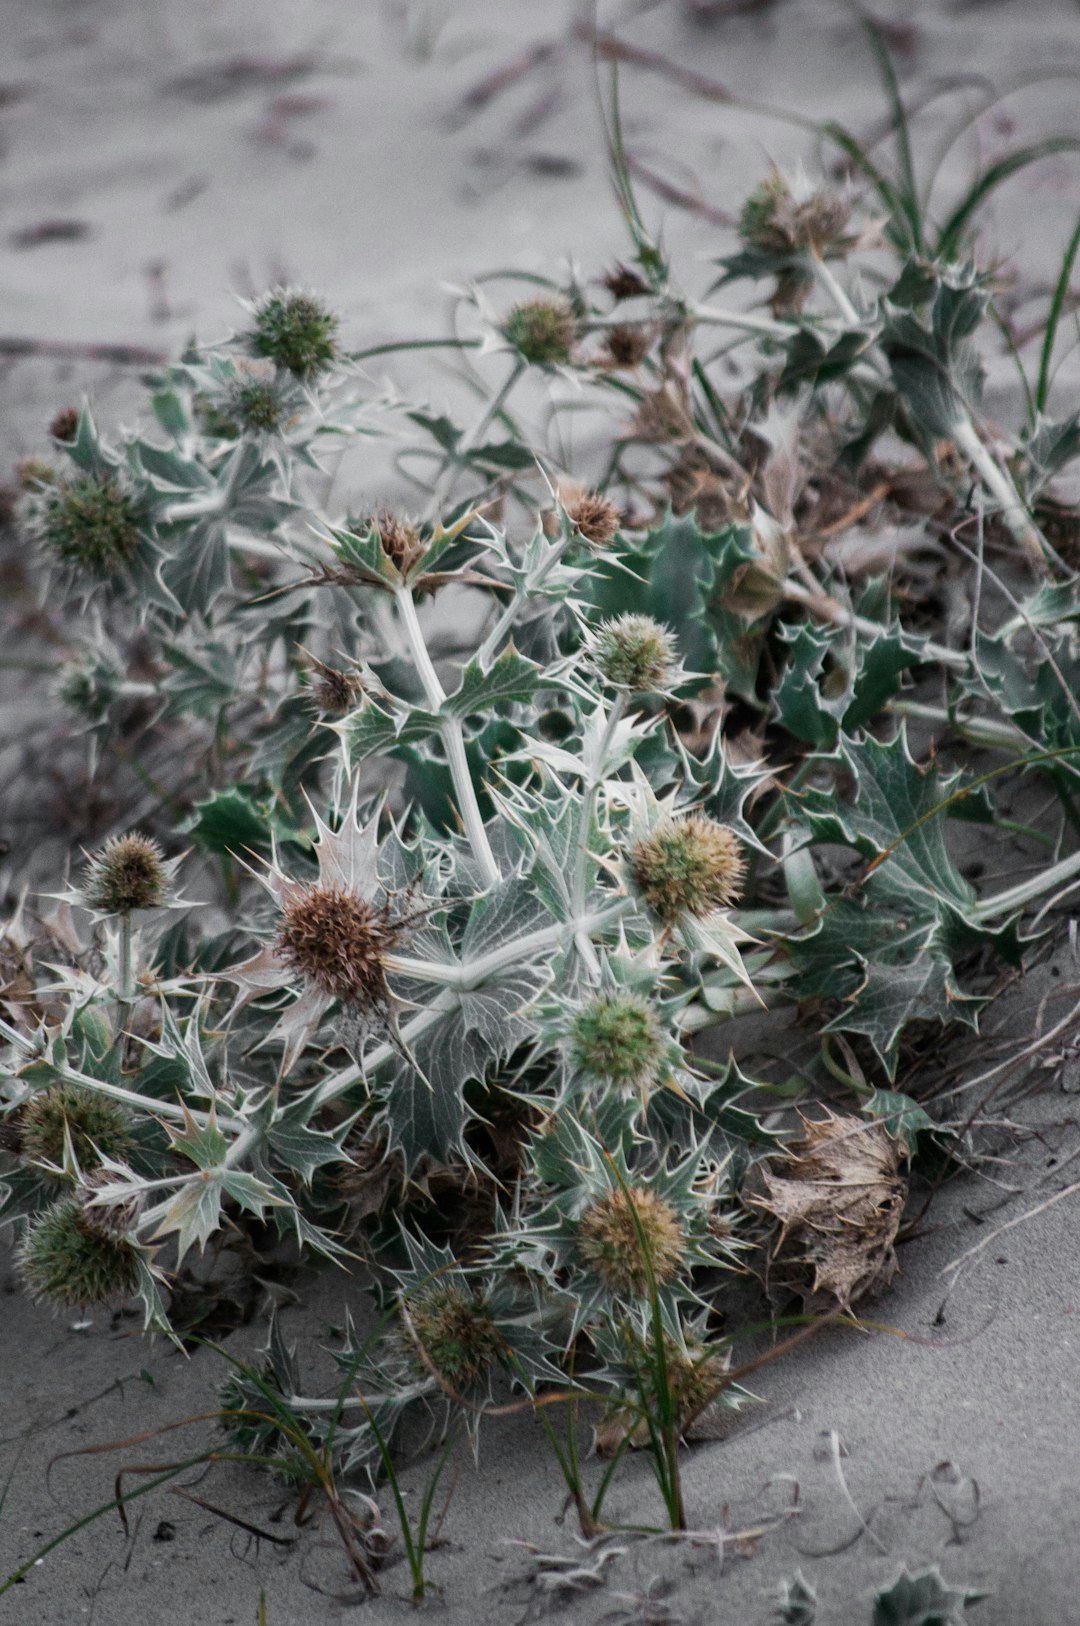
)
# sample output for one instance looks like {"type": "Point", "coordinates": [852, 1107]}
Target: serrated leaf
{"type": "Point", "coordinates": [900, 1115]}
{"type": "Point", "coordinates": [196, 569]}
{"type": "Point", "coordinates": [923, 1599]}
{"type": "Point", "coordinates": [510, 677]}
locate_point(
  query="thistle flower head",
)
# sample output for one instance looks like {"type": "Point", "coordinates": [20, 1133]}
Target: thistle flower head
{"type": "Point", "coordinates": [456, 1333]}
{"type": "Point", "coordinates": [255, 404]}
{"type": "Point", "coordinates": [630, 1239]}
{"type": "Point", "coordinates": [626, 345]}
{"type": "Point", "coordinates": [339, 942]}
{"type": "Point", "coordinates": [596, 517]}
{"type": "Point", "coordinates": [333, 690]}
{"type": "Point", "coordinates": [542, 331]}
{"type": "Point", "coordinates": [70, 1262]}
{"type": "Point", "coordinates": [617, 1039]}
{"type": "Point", "coordinates": [129, 872]}
{"type": "Point", "coordinates": [296, 331]}
{"type": "Point", "coordinates": [622, 282]}
{"type": "Point", "coordinates": [96, 1126]}
{"type": "Point", "coordinates": [687, 866]}
{"type": "Point", "coordinates": [635, 653]}
{"type": "Point", "coordinates": [90, 522]}
{"type": "Point", "coordinates": [334, 938]}
{"type": "Point", "coordinates": [780, 218]}
{"type": "Point", "coordinates": [65, 425]}
{"type": "Point", "coordinates": [400, 539]}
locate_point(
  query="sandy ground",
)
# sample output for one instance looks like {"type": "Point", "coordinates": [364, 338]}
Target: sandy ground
{"type": "Point", "coordinates": [154, 161]}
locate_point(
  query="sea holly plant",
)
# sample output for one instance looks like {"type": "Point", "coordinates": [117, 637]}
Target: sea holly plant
{"type": "Point", "coordinates": [515, 795]}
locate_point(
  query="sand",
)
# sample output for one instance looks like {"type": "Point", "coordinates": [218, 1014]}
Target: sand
{"type": "Point", "coordinates": [157, 160]}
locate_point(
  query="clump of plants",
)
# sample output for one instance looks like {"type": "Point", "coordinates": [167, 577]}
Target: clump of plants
{"type": "Point", "coordinates": [488, 906]}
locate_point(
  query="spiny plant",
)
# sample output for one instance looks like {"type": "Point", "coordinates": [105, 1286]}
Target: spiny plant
{"type": "Point", "coordinates": [487, 893]}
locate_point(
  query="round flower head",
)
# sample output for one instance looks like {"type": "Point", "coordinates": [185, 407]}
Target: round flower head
{"type": "Point", "coordinates": [90, 523]}
{"type": "Point", "coordinates": [542, 331]}
{"type": "Point", "coordinates": [779, 218]}
{"type": "Point", "coordinates": [256, 405]}
{"type": "Point", "coordinates": [687, 866]}
{"type": "Point", "coordinates": [456, 1334]}
{"type": "Point", "coordinates": [338, 941]}
{"type": "Point", "coordinates": [334, 939]}
{"type": "Point", "coordinates": [631, 1239]}
{"type": "Point", "coordinates": [128, 873]}
{"type": "Point", "coordinates": [635, 653]}
{"type": "Point", "coordinates": [67, 1260]}
{"type": "Point", "coordinates": [626, 345]}
{"type": "Point", "coordinates": [96, 1126]}
{"type": "Point", "coordinates": [296, 331]}
{"type": "Point", "coordinates": [624, 283]}
{"type": "Point", "coordinates": [617, 1039]}
{"type": "Point", "coordinates": [596, 517]}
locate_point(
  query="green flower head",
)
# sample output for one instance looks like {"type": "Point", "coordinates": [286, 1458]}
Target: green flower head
{"type": "Point", "coordinates": [542, 331]}
{"type": "Point", "coordinates": [90, 523]}
{"type": "Point", "coordinates": [67, 1260]}
{"type": "Point", "coordinates": [296, 331]}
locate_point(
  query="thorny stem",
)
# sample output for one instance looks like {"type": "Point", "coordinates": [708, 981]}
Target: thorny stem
{"type": "Point", "coordinates": [453, 737]}
{"type": "Point", "coordinates": [506, 620]}
{"type": "Point", "coordinates": [127, 988]}
{"type": "Point", "coordinates": [582, 940]}
{"type": "Point", "coordinates": [830, 609]}
{"type": "Point", "coordinates": [1013, 512]}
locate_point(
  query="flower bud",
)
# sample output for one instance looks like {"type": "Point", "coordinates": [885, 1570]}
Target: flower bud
{"type": "Point", "coordinates": [687, 866]}
{"type": "Point", "coordinates": [617, 1039]}
{"type": "Point", "coordinates": [89, 522]}
{"type": "Point", "coordinates": [456, 1333]}
{"type": "Point", "coordinates": [542, 331]}
{"type": "Point", "coordinates": [68, 1262]}
{"type": "Point", "coordinates": [89, 685]}
{"type": "Point", "coordinates": [295, 331]}
{"type": "Point", "coordinates": [631, 1239]}
{"type": "Point", "coordinates": [634, 652]}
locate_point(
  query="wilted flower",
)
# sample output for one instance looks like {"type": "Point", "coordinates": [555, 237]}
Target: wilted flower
{"type": "Point", "coordinates": [296, 331]}
{"type": "Point", "coordinates": [624, 283]}
{"type": "Point", "coordinates": [333, 690]}
{"type": "Point", "coordinates": [596, 516]}
{"type": "Point", "coordinates": [542, 331]}
{"type": "Point", "coordinates": [626, 345]}
{"type": "Point", "coordinates": [65, 425]}
{"type": "Point", "coordinates": [112, 1206]}
{"type": "Point", "coordinates": [635, 653]}
{"type": "Point", "coordinates": [780, 217]}
{"type": "Point", "coordinates": [687, 865]}
{"type": "Point", "coordinates": [68, 1260]}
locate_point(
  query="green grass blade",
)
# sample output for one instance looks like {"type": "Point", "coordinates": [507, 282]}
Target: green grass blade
{"type": "Point", "coordinates": [907, 194]}
{"type": "Point", "coordinates": [950, 238]}
{"type": "Point", "coordinates": [1057, 305]}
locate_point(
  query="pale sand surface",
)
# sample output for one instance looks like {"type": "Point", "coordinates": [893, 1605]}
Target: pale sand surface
{"type": "Point", "coordinates": [374, 182]}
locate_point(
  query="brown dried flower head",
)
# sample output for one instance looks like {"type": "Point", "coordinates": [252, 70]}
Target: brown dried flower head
{"type": "Point", "coordinates": [401, 541]}
{"type": "Point", "coordinates": [624, 283]}
{"type": "Point", "coordinates": [626, 345]}
{"type": "Point", "coordinates": [65, 425]}
{"type": "Point", "coordinates": [113, 1218]}
{"type": "Point", "coordinates": [595, 516]}
{"type": "Point", "coordinates": [688, 866]}
{"type": "Point", "coordinates": [631, 1238]}
{"type": "Point", "coordinates": [334, 690]}
{"type": "Point", "coordinates": [338, 940]}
